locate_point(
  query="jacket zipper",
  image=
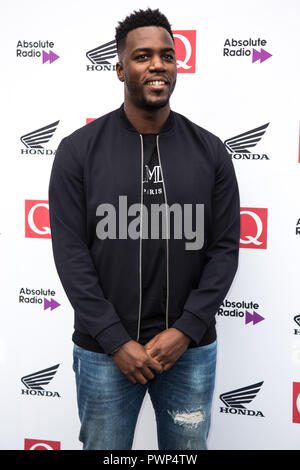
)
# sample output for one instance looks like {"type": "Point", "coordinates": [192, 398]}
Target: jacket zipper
{"type": "Point", "coordinates": [141, 236]}
{"type": "Point", "coordinates": [167, 231]}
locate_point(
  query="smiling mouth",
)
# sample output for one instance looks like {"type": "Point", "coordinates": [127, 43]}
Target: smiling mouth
{"type": "Point", "coordinates": [157, 84]}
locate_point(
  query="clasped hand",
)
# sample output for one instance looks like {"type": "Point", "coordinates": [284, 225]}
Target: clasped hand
{"type": "Point", "coordinates": [140, 363]}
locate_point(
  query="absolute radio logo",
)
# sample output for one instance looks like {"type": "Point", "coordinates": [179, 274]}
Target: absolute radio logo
{"type": "Point", "coordinates": [298, 227]}
{"type": "Point", "coordinates": [38, 444]}
{"type": "Point", "coordinates": [38, 296]}
{"type": "Point", "coordinates": [35, 141]}
{"type": "Point", "coordinates": [246, 48]}
{"type": "Point", "coordinates": [37, 222]}
{"type": "Point", "coordinates": [254, 224]}
{"type": "Point", "coordinates": [241, 309]}
{"type": "Point", "coordinates": [37, 50]}
{"type": "Point", "coordinates": [235, 400]}
{"type": "Point", "coordinates": [185, 50]}
{"type": "Point", "coordinates": [36, 381]}
{"type": "Point", "coordinates": [240, 146]}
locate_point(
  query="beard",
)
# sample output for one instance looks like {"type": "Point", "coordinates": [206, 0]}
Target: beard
{"type": "Point", "coordinates": [149, 104]}
{"type": "Point", "coordinates": [141, 99]}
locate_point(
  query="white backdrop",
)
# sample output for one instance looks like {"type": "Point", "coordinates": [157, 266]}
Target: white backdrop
{"type": "Point", "coordinates": [228, 95]}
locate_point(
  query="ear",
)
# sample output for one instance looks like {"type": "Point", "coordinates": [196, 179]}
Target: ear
{"type": "Point", "coordinates": [120, 71]}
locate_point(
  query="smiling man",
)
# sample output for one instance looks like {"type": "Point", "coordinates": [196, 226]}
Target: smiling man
{"type": "Point", "coordinates": [145, 300]}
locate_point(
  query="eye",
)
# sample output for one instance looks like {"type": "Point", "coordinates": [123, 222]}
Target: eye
{"type": "Point", "coordinates": [168, 57]}
{"type": "Point", "coordinates": [142, 57]}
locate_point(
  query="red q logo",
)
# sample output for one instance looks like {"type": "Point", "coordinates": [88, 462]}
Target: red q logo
{"type": "Point", "coordinates": [253, 228]}
{"type": "Point", "coordinates": [35, 444]}
{"type": "Point", "coordinates": [296, 402]}
{"type": "Point", "coordinates": [185, 49]}
{"type": "Point", "coordinates": [37, 224]}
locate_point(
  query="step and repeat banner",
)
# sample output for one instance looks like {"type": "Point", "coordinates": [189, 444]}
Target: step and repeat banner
{"type": "Point", "coordinates": [238, 74]}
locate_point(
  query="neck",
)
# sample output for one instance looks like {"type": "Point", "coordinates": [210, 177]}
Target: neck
{"type": "Point", "coordinates": [146, 121]}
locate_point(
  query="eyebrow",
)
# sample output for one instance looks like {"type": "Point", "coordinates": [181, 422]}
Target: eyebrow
{"type": "Point", "coordinates": [148, 49]}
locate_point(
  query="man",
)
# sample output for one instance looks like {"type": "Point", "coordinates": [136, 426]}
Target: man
{"type": "Point", "coordinates": [144, 304]}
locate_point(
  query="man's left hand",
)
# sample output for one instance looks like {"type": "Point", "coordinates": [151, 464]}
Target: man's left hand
{"type": "Point", "coordinates": [168, 346]}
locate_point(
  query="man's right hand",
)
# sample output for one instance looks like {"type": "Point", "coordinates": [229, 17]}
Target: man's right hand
{"type": "Point", "coordinates": [135, 363]}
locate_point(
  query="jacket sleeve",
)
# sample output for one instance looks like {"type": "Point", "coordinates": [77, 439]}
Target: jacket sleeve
{"type": "Point", "coordinates": [71, 254]}
{"type": "Point", "coordinates": [221, 257]}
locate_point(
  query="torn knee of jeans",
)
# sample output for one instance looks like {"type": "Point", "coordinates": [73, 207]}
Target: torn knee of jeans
{"type": "Point", "coordinates": [190, 419]}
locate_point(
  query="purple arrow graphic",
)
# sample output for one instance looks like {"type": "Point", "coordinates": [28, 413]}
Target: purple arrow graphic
{"type": "Point", "coordinates": [50, 303]}
{"type": "Point", "coordinates": [255, 317]}
{"type": "Point", "coordinates": [51, 56]}
{"type": "Point", "coordinates": [262, 55]}
{"type": "Point", "coordinates": [255, 55]}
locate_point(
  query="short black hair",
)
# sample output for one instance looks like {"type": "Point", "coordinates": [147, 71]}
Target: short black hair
{"type": "Point", "coordinates": [139, 19]}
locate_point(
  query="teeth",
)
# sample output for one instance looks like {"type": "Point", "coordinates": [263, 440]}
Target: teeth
{"type": "Point", "coordinates": [157, 82]}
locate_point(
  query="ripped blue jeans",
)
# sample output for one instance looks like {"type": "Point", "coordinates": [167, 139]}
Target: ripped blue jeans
{"type": "Point", "coordinates": [109, 404]}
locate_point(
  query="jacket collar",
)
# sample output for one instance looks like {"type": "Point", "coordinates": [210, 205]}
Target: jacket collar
{"type": "Point", "coordinates": [167, 128]}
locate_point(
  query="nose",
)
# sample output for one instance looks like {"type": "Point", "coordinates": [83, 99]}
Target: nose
{"type": "Point", "coordinates": [157, 63]}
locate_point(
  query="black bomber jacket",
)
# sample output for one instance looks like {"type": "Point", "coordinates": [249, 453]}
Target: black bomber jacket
{"type": "Point", "coordinates": [102, 277]}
